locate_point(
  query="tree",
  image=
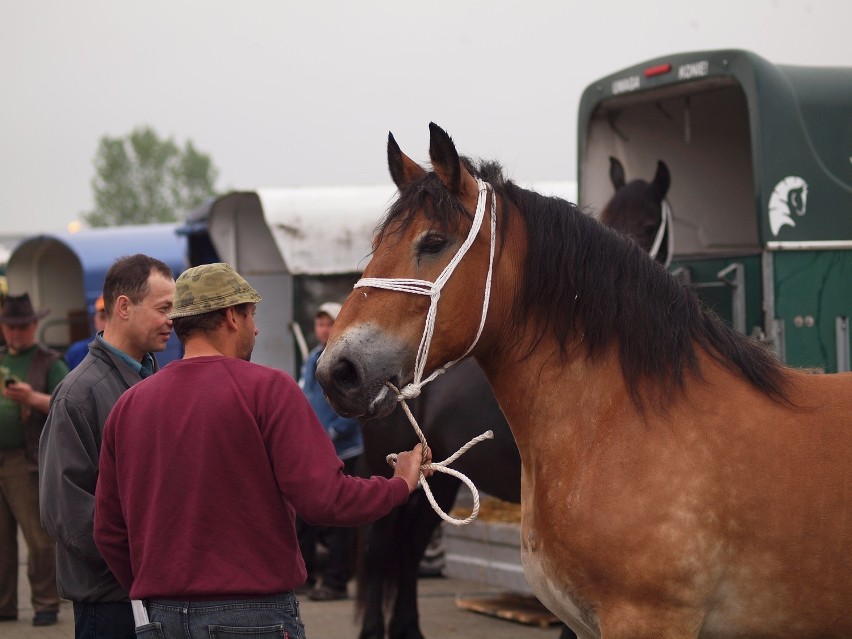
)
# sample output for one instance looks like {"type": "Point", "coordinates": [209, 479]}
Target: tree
{"type": "Point", "coordinates": [142, 179]}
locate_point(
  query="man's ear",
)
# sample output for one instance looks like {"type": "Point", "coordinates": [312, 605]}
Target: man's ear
{"type": "Point", "coordinates": [122, 307]}
{"type": "Point", "coordinates": [231, 318]}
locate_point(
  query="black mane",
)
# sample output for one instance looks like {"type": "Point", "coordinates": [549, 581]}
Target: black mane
{"type": "Point", "coordinates": [607, 288]}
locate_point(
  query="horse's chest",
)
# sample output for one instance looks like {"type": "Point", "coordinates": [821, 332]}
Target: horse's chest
{"type": "Point", "coordinates": [554, 590]}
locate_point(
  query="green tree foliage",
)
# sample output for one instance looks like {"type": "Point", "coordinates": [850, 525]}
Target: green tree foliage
{"type": "Point", "coordinates": [142, 179]}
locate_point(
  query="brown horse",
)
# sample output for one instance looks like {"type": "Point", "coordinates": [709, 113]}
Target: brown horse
{"type": "Point", "coordinates": [677, 480]}
{"type": "Point", "coordinates": [637, 208]}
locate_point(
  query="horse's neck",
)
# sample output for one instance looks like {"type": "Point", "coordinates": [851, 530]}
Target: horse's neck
{"type": "Point", "coordinates": [531, 379]}
{"type": "Point", "coordinates": [549, 400]}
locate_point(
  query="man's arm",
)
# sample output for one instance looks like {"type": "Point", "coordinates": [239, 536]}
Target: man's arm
{"type": "Point", "coordinates": [68, 459]}
{"type": "Point", "coordinates": [24, 394]}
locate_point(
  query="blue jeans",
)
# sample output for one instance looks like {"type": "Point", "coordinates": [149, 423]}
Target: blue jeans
{"type": "Point", "coordinates": [104, 620]}
{"type": "Point", "coordinates": [259, 618]}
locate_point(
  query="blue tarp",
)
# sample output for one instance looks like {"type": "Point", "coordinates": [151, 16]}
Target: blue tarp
{"type": "Point", "coordinates": [97, 249]}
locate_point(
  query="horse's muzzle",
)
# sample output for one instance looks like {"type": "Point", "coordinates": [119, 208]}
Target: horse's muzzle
{"type": "Point", "coordinates": [353, 370]}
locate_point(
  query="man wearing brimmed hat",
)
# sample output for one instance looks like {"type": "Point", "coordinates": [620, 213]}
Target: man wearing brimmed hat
{"type": "Point", "coordinates": [345, 434]}
{"type": "Point", "coordinates": [138, 294]}
{"type": "Point", "coordinates": [29, 373]}
{"type": "Point", "coordinates": [204, 467]}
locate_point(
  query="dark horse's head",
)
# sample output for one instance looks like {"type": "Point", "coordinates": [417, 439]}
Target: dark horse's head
{"type": "Point", "coordinates": [636, 207]}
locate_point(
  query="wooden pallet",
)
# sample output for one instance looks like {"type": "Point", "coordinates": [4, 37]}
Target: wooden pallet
{"type": "Point", "coordinates": [519, 608]}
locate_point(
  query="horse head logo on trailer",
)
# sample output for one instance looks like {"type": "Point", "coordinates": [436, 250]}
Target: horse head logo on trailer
{"type": "Point", "coordinates": [789, 196]}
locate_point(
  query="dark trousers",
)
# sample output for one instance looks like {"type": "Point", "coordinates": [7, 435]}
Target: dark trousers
{"type": "Point", "coordinates": [104, 620]}
{"type": "Point", "coordinates": [339, 541]}
{"type": "Point", "coordinates": [19, 507]}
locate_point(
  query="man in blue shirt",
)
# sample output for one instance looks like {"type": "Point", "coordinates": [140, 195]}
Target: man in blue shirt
{"type": "Point", "coordinates": [348, 442]}
{"type": "Point", "coordinates": [79, 349]}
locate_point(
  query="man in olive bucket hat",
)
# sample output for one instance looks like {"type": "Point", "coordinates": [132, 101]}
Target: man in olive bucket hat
{"type": "Point", "coordinates": [204, 467]}
{"type": "Point", "coordinates": [29, 373]}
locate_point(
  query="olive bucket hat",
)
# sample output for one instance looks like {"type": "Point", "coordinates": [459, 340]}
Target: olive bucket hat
{"type": "Point", "coordinates": [210, 287]}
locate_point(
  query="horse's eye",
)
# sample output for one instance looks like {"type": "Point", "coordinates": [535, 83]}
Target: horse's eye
{"type": "Point", "coordinates": [432, 244]}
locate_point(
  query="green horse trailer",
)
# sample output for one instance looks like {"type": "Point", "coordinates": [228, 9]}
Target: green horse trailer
{"type": "Point", "coordinates": [760, 157]}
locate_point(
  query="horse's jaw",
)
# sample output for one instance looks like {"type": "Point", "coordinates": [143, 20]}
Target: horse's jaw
{"type": "Point", "coordinates": [355, 367]}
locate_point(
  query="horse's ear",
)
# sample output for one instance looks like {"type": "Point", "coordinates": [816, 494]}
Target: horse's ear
{"type": "Point", "coordinates": [616, 173]}
{"type": "Point", "coordinates": [662, 180]}
{"type": "Point", "coordinates": [448, 167]}
{"type": "Point", "coordinates": [402, 168]}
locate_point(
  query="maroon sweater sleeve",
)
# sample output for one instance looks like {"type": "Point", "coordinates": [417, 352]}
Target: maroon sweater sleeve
{"type": "Point", "coordinates": [307, 469]}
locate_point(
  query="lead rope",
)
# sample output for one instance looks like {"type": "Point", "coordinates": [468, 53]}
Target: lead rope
{"type": "Point", "coordinates": [442, 467]}
{"type": "Point", "coordinates": [413, 389]}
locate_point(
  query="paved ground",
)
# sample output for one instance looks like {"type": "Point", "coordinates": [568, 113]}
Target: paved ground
{"type": "Point", "coordinates": [439, 616]}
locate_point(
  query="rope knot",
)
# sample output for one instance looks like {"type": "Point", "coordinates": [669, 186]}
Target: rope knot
{"type": "Point", "coordinates": [409, 392]}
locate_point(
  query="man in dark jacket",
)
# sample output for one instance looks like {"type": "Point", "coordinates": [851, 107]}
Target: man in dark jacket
{"type": "Point", "coordinates": [138, 295]}
{"type": "Point", "coordinates": [29, 374]}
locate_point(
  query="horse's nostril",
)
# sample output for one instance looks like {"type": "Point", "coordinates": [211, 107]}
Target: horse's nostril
{"type": "Point", "coordinates": [344, 374]}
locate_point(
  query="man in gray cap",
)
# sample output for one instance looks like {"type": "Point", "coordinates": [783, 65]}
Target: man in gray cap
{"type": "Point", "coordinates": [204, 467]}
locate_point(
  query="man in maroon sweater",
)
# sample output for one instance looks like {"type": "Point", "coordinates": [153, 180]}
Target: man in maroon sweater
{"type": "Point", "coordinates": [204, 467]}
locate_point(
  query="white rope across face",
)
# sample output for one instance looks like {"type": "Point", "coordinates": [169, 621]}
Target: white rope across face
{"type": "Point", "coordinates": [433, 290]}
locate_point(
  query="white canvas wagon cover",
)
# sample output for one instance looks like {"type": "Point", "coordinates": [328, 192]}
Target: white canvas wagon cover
{"type": "Point", "coordinates": [313, 230]}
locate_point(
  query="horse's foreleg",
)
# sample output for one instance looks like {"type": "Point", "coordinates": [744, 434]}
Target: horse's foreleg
{"type": "Point", "coordinates": [567, 633]}
{"type": "Point", "coordinates": [372, 577]}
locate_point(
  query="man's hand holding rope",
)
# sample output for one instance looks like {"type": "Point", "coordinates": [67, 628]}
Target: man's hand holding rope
{"type": "Point", "coordinates": [410, 464]}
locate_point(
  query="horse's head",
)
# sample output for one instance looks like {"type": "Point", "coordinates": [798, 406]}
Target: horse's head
{"type": "Point", "coordinates": [636, 207]}
{"type": "Point", "coordinates": [379, 335]}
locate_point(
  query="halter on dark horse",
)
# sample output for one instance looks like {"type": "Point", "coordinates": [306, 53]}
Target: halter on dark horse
{"type": "Point", "coordinates": [639, 209]}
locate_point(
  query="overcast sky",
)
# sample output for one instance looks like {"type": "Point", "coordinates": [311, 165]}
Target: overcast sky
{"type": "Point", "coordinates": [284, 93]}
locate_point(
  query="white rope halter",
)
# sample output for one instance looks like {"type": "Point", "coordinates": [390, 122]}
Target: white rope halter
{"type": "Point", "coordinates": [665, 223]}
{"type": "Point", "coordinates": [433, 290]}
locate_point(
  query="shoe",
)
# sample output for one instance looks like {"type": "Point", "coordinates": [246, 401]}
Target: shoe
{"type": "Point", "coordinates": [324, 593]}
{"type": "Point", "coordinates": [45, 618]}
{"type": "Point", "coordinates": [8, 618]}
